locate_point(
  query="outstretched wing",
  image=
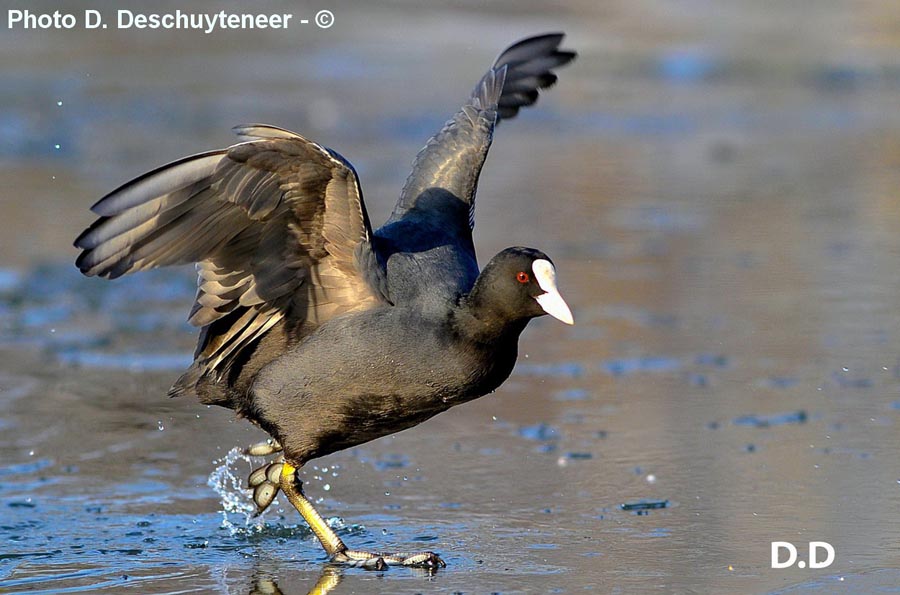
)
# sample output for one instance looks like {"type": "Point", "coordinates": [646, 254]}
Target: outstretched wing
{"type": "Point", "coordinates": [452, 159]}
{"type": "Point", "coordinates": [276, 225]}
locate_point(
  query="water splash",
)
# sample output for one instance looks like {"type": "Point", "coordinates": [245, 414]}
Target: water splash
{"type": "Point", "coordinates": [238, 511]}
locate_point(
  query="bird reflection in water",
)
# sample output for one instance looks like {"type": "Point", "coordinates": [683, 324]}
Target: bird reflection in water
{"type": "Point", "coordinates": [330, 578]}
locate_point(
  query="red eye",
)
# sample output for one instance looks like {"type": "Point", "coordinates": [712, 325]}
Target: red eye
{"type": "Point", "coordinates": [522, 277]}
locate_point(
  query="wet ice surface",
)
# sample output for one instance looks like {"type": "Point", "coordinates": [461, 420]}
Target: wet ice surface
{"type": "Point", "coordinates": [721, 207]}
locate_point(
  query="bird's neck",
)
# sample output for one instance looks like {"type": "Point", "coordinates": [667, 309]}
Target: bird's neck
{"type": "Point", "coordinates": [482, 321]}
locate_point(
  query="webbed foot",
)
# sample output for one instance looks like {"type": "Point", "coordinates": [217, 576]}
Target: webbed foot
{"type": "Point", "coordinates": [380, 561]}
{"type": "Point", "coordinates": [263, 449]}
{"type": "Point", "coordinates": [265, 481]}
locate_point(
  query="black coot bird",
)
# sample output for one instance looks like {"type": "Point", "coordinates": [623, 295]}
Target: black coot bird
{"type": "Point", "coordinates": [323, 332]}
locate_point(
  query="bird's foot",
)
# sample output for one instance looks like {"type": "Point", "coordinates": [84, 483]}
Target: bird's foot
{"type": "Point", "coordinates": [380, 561]}
{"type": "Point", "coordinates": [265, 483]}
{"type": "Point", "coordinates": [334, 547]}
{"type": "Point", "coordinates": [263, 449]}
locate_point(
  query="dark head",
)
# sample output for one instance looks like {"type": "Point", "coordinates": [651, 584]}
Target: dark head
{"type": "Point", "coordinates": [516, 285]}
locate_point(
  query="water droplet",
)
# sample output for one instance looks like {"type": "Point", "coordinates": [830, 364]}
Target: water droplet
{"type": "Point", "coordinates": [326, 487]}
{"type": "Point", "coordinates": [159, 424]}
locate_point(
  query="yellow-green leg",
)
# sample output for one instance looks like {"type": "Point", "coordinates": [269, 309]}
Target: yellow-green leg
{"type": "Point", "coordinates": [330, 579]}
{"type": "Point", "coordinates": [292, 487]}
{"type": "Point", "coordinates": [328, 582]}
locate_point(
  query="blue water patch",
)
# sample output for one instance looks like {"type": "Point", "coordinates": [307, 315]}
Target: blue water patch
{"type": "Point", "coordinates": [46, 314]}
{"type": "Point", "coordinates": [26, 130]}
{"type": "Point", "coordinates": [391, 461]}
{"type": "Point", "coordinates": [127, 361]}
{"type": "Point", "coordinates": [766, 421]}
{"type": "Point", "coordinates": [571, 394]}
{"type": "Point", "coordinates": [87, 322]}
{"type": "Point", "coordinates": [781, 382]}
{"type": "Point", "coordinates": [716, 360]}
{"type": "Point", "coordinates": [540, 431]}
{"type": "Point", "coordinates": [851, 382]}
{"type": "Point", "coordinates": [25, 468]}
{"type": "Point", "coordinates": [687, 65]}
{"type": "Point", "coordinates": [698, 380]}
{"type": "Point", "coordinates": [842, 78]}
{"type": "Point", "coordinates": [624, 367]}
{"type": "Point", "coordinates": [10, 280]}
{"type": "Point", "coordinates": [738, 118]}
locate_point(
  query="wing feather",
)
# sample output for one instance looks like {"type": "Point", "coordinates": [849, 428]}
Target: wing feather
{"type": "Point", "coordinates": [452, 159]}
{"type": "Point", "coordinates": [274, 224]}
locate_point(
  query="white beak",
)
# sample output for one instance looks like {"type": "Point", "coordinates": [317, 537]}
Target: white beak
{"type": "Point", "coordinates": [552, 303]}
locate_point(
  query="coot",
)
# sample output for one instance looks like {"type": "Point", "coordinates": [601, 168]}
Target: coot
{"type": "Point", "coordinates": [323, 332]}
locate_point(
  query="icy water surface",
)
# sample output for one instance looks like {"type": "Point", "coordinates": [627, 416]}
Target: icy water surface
{"type": "Point", "coordinates": [719, 190]}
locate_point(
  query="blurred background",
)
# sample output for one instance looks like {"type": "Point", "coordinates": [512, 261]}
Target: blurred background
{"type": "Point", "coordinates": [718, 186]}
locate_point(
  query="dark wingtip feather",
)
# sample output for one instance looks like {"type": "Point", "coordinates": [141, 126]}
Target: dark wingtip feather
{"type": "Point", "coordinates": [530, 46]}
{"type": "Point", "coordinates": [82, 240]}
{"type": "Point", "coordinates": [566, 56]}
{"type": "Point", "coordinates": [79, 262]}
{"type": "Point", "coordinates": [530, 64]}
